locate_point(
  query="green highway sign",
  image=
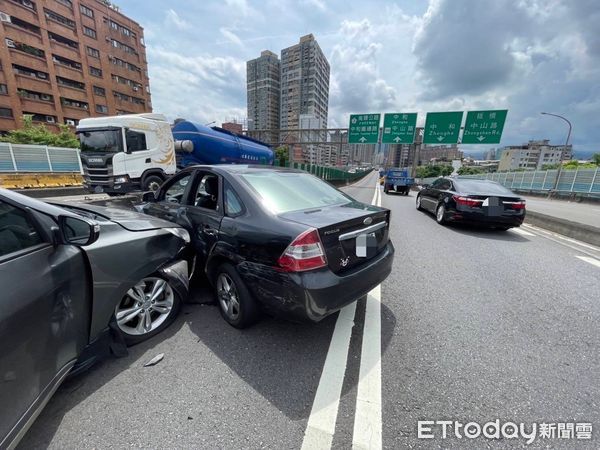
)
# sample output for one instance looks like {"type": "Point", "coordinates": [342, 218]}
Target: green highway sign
{"type": "Point", "coordinates": [484, 127]}
{"type": "Point", "coordinates": [363, 129]}
{"type": "Point", "coordinates": [399, 128]}
{"type": "Point", "coordinates": [442, 127]}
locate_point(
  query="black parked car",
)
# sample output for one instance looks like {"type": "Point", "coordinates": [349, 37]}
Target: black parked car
{"type": "Point", "coordinates": [76, 283]}
{"type": "Point", "coordinates": [482, 202]}
{"type": "Point", "coordinates": [277, 239]}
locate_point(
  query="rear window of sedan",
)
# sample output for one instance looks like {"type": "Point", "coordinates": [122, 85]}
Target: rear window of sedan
{"type": "Point", "coordinates": [283, 192]}
{"type": "Point", "coordinates": [481, 187]}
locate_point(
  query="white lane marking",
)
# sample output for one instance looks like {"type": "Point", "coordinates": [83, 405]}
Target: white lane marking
{"type": "Point", "coordinates": [564, 238]}
{"type": "Point", "coordinates": [587, 259]}
{"type": "Point", "coordinates": [323, 415]}
{"type": "Point", "coordinates": [522, 232]}
{"type": "Point", "coordinates": [367, 432]}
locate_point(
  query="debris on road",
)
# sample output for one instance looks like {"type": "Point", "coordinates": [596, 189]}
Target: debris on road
{"type": "Point", "coordinates": [158, 358]}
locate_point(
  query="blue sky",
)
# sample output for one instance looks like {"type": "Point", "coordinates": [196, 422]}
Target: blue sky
{"type": "Point", "coordinates": [526, 56]}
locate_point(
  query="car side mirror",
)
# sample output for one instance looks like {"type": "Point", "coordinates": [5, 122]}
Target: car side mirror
{"type": "Point", "coordinates": [425, 186]}
{"type": "Point", "coordinates": [148, 197]}
{"type": "Point", "coordinates": [78, 230]}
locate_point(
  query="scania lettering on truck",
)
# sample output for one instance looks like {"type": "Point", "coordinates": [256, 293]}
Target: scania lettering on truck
{"type": "Point", "coordinates": [120, 154]}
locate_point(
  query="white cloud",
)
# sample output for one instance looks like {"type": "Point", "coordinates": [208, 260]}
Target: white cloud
{"type": "Point", "coordinates": [231, 36]}
{"type": "Point", "coordinates": [176, 21]}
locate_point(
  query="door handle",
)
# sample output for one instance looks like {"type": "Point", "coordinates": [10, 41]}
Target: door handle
{"type": "Point", "coordinates": [206, 229]}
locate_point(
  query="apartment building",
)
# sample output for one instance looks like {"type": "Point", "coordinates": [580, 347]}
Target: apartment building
{"type": "Point", "coordinates": [533, 155]}
{"type": "Point", "coordinates": [304, 83]}
{"type": "Point", "coordinates": [263, 92]}
{"type": "Point", "coordinates": [64, 60]}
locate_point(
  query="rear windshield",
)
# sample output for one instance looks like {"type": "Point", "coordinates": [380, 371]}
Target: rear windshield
{"type": "Point", "coordinates": [482, 187]}
{"type": "Point", "coordinates": [283, 192]}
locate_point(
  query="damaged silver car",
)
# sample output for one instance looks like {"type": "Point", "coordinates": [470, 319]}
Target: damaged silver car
{"type": "Point", "coordinates": [77, 282]}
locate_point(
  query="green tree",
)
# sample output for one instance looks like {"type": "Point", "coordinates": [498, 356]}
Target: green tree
{"type": "Point", "coordinates": [434, 171]}
{"type": "Point", "coordinates": [281, 154]}
{"type": "Point", "coordinates": [40, 135]}
{"type": "Point", "coordinates": [466, 170]}
{"type": "Point", "coordinates": [550, 166]}
{"type": "Point", "coordinates": [596, 159]}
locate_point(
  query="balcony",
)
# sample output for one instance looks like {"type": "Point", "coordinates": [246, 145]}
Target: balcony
{"type": "Point", "coordinates": [61, 30]}
{"type": "Point", "coordinates": [27, 60]}
{"type": "Point", "coordinates": [41, 107]}
{"type": "Point", "coordinates": [68, 72]}
{"type": "Point", "coordinates": [20, 34]}
{"type": "Point", "coordinates": [58, 45]}
{"type": "Point", "coordinates": [13, 9]}
{"type": "Point", "coordinates": [73, 92]}
{"type": "Point", "coordinates": [32, 83]}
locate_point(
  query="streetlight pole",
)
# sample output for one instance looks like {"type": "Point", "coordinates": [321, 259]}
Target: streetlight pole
{"type": "Point", "coordinates": [563, 150]}
{"type": "Point", "coordinates": [210, 123]}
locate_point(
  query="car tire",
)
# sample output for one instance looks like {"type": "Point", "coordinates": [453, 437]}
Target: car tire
{"type": "Point", "coordinates": [503, 228]}
{"type": "Point", "coordinates": [156, 303]}
{"type": "Point", "coordinates": [235, 302]}
{"type": "Point", "coordinates": [151, 183]}
{"type": "Point", "coordinates": [440, 214]}
{"type": "Point", "coordinates": [418, 203]}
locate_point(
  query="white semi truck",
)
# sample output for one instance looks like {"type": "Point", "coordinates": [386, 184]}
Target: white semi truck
{"type": "Point", "coordinates": [121, 154]}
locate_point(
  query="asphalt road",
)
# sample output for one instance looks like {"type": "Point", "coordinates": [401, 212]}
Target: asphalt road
{"type": "Point", "coordinates": [475, 325]}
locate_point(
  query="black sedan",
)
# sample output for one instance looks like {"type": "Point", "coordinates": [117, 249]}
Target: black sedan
{"type": "Point", "coordinates": [481, 202]}
{"type": "Point", "coordinates": [277, 240]}
{"type": "Point", "coordinates": [77, 283]}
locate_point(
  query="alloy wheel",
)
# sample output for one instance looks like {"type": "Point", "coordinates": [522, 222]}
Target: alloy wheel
{"type": "Point", "coordinates": [145, 306]}
{"type": "Point", "coordinates": [440, 213]}
{"type": "Point", "coordinates": [228, 296]}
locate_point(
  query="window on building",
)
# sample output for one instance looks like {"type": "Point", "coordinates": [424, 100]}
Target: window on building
{"type": "Point", "coordinates": [102, 109]}
{"type": "Point", "coordinates": [86, 11]}
{"type": "Point", "coordinates": [34, 95]}
{"type": "Point", "coordinates": [20, 46]}
{"type": "Point", "coordinates": [99, 91]}
{"type": "Point", "coordinates": [70, 83]}
{"type": "Point", "coordinates": [36, 117]}
{"type": "Point", "coordinates": [67, 3]}
{"type": "Point", "coordinates": [63, 40]}
{"type": "Point", "coordinates": [96, 72]}
{"type": "Point", "coordinates": [26, 3]}
{"type": "Point", "coordinates": [74, 103]}
{"type": "Point", "coordinates": [6, 112]}
{"type": "Point", "coordinates": [51, 15]}
{"type": "Point", "coordinates": [136, 141]}
{"type": "Point", "coordinates": [66, 62]}
{"type": "Point", "coordinates": [26, 71]}
{"type": "Point", "coordinates": [25, 25]}
{"type": "Point", "coordinates": [3, 89]}
{"type": "Point", "coordinates": [93, 52]}
{"type": "Point", "coordinates": [89, 32]}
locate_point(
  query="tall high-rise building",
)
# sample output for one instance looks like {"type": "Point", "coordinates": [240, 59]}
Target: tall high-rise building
{"type": "Point", "coordinates": [263, 91]}
{"type": "Point", "coordinates": [64, 60]}
{"type": "Point", "coordinates": [304, 83]}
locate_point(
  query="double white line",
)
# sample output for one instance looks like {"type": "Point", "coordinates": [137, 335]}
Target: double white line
{"type": "Point", "coordinates": [367, 420]}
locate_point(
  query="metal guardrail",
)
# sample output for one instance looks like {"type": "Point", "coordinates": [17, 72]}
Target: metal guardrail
{"type": "Point", "coordinates": [327, 173]}
{"type": "Point", "coordinates": [578, 181]}
{"type": "Point", "coordinates": [38, 158]}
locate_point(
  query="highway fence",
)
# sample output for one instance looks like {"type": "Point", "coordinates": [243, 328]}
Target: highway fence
{"type": "Point", "coordinates": [577, 181]}
{"type": "Point", "coordinates": [38, 158]}
{"type": "Point", "coordinates": [331, 174]}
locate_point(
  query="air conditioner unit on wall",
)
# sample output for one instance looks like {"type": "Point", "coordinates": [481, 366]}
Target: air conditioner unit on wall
{"type": "Point", "coordinates": [27, 3]}
{"type": "Point", "coordinates": [70, 122]}
{"type": "Point", "coordinates": [10, 43]}
{"type": "Point", "coordinates": [4, 17]}
{"type": "Point", "coordinates": [50, 119]}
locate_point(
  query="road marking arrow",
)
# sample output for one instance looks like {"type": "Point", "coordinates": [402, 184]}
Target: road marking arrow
{"type": "Point", "coordinates": [440, 138]}
{"type": "Point", "coordinates": [480, 138]}
{"type": "Point", "coordinates": [363, 139]}
{"type": "Point", "coordinates": [397, 139]}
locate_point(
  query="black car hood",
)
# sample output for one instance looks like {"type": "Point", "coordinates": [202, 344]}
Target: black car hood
{"type": "Point", "coordinates": [129, 219]}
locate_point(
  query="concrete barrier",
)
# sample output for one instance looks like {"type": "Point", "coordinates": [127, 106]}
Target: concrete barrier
{"type": "Point", "coordinates": [39, 180]}
{"type": "Point", "coordinates": [579, 231]}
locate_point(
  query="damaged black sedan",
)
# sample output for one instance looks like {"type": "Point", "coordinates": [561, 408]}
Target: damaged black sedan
{"type": "Point", "coordinates": [77, 283]}
{"type": "Point", "coordinates": [276, 240]}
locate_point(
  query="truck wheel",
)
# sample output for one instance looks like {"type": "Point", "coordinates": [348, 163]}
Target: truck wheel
{"type": "Point", "coordinates": [152, 183]}
{"type": "Point", "coordinates": [386, 190]}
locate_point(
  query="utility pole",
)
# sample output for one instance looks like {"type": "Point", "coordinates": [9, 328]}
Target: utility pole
{"type": "Point", "coordinates": [562, 152]}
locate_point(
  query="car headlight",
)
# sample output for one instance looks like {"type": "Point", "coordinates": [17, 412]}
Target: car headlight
{"type": "Point", "coordinates": [124, 179]}
{"type": "Point", "coordinates": [180, 233]}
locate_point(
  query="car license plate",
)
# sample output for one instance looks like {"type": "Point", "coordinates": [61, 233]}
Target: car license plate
{"type": "Point", "coordinates": [365, 244]}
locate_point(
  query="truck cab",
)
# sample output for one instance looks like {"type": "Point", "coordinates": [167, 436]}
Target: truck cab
{"type": "Point", "coordinates": [398, 180]}
{"type": "Point", "coordinates": [120, 154]}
